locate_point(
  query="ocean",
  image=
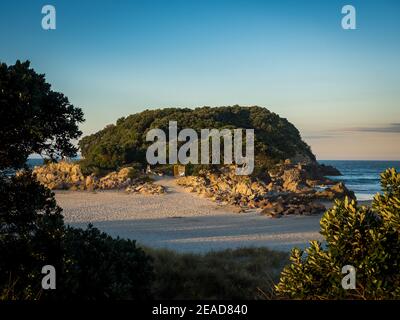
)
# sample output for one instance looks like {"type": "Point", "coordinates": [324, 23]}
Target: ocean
{"type": "Point", "coordinates": [34, 162]}
{"type": "Point", "coordinates": [362, 177]}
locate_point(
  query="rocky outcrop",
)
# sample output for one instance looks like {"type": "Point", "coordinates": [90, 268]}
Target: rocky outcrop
{"type": "Point", "coordinates": [297, 206]}
{"type": "Point", "coordinates": [287, 189]}
{"type": "Point", "coordinates": [115, 180]}
{"type": "Point", "coordinates": [299, 177]}
{"type": "Point", "coordinates": [62, 175]}
{"type": "Point", "coordinates": [226, 187]}
{"type": "Point", "coordinates": [337, 191]}
{"type": "Point", "coordinates": [328, 170]}
{"type": "Point", "coordinates": [68, 176]}
{"type": "Point", "coordinates": [274, 199]}
{"type": "Point", "coordinates": [145, 188]}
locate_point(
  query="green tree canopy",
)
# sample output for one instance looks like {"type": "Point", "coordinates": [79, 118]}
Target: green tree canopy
{"type": "Point", "coordinates": [33, 118]}
{"type": "Point", "coordinates": [125, 142]}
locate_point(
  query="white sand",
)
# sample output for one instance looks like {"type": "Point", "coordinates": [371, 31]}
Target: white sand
{"type": "Point", "coordinates": [183, 221]}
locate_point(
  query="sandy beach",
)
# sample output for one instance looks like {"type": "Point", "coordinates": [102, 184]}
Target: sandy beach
{"type": "Point", "coordinates": [183, 221]}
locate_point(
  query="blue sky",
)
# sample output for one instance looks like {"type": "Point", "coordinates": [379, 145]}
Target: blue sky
{"type": "Point", "coordinates": [114, 58]}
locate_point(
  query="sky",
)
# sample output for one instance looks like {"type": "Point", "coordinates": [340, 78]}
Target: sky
{"type": "Point", "coordinates": [340, 88]}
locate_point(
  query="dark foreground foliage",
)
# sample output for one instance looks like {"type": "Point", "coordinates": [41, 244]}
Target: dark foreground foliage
{"type": "Point", "coordinates": [31, 232]}
{"type": "Point", "coordinates": [246, 273]}
{"type": "Point", "coordinates": [89, 264]}
{"type": "Point", "coordinates": [100, 267]}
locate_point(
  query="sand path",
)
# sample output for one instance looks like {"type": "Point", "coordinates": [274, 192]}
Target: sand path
{"type": "Point", "coordinates": [183, 221]}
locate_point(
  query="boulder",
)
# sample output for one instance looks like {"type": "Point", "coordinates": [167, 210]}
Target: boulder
{"type": "Point", "coordinates": [243, 189]}
{"type": "Point", "coordinates": [61, 175]}
{"type": "Point", "coordinates": [292, 205]}
{"type": "Point", "coordinates": [225, 186]}
{"type": "Point", "coordinates": [145, 188]}
{"type": "Point", "coordinates": [337, 191]}
{"type": "Point", "coordinates": [328, 170]}
{"type": "Point", "coordinates": [68, 176]}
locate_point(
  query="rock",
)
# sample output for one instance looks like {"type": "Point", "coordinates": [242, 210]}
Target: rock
{"type": "Point", "coordinates": [291, 189]}
{"type": "Point", "coordinates": [49, 176]}
{"type": "Point", "coordinates": [146, 188]}
{"type": "Point", "coordinates": [68, 176]}
{"type": "Point", "coordinates": [301, 177]}
{"type": "Point", "coordinates": [328, 170]}
{"type": "Point", "coordinates": [124, 173]}
{"type": "Point", "coordinates": [302, 158]}
{"type": "Point", "coordinates": [338, 190]}
{"type": "Point", "coordinates": [243, 189]}
{"type": "Point", "coordinates": [292, 203]}
{"type": "Point", "coordinates": [74, 188]}
{"type": "Point", "coordinates": [226, 186]}
{"type": "Point", "coordinates": [273, 208]}
{"type": "Point", "coordinates": [115, 180]}
{"type": "Point", "coordinates": [317, 208]}
{"type": "Point", "coordinates": [270, 212]}
{"type": "Point", "coordinates": [223, 185]}
{"type": "Point", "coordinates": [61, 175]}
{"type": "Point", "coordinates": [90, 182]}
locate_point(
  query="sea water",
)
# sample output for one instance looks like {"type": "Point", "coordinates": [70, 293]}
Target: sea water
{"type": "Point", "coordinates": [361, 176]}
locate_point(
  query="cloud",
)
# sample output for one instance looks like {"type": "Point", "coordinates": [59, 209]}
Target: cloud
{"type": "Point", "coordinates": [318, 136]}
{"type": "Point", "coordinates": [323, 134]}
{"type": "Point", "coordinates": [344, 132]}
{"type": "Point", "coordinates": [390, 128]}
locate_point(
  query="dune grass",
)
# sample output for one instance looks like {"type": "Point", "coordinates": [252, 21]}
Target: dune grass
{"type": "Point", "coordinates": [245, 273]}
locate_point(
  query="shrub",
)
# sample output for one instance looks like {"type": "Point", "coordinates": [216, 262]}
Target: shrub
{"type": "Point", "coordinates": [136, 170]}
{"type": "Point", "coordinates": [245, 273]}
{"type": "Point", "coordinates": [198, 169]}
{"type": "Point", "coordinates": [165, 169]}
{"type": "Point", "coordinates": [88, 168]}
{"type": "Point", "coordinates": [89, 264]}
{"type": "Point", "coordinates": [366, 238]}
{"type": "Point", "coordinates": [31, 231]}
{"type": "Point", "coordinates": [100, 267]}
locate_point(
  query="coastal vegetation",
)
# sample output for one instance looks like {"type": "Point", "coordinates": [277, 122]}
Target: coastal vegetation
{"type": "Point", "coordinates": [244, 273]}
{"type": "Point", "coordinates": [34, 118]}
{"type": "Point", "coordinates": [89, 264]}
{"type": "Point", "coordinates": [276, 139]}
{"type": "Point", "coordinates": [365, 238]}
